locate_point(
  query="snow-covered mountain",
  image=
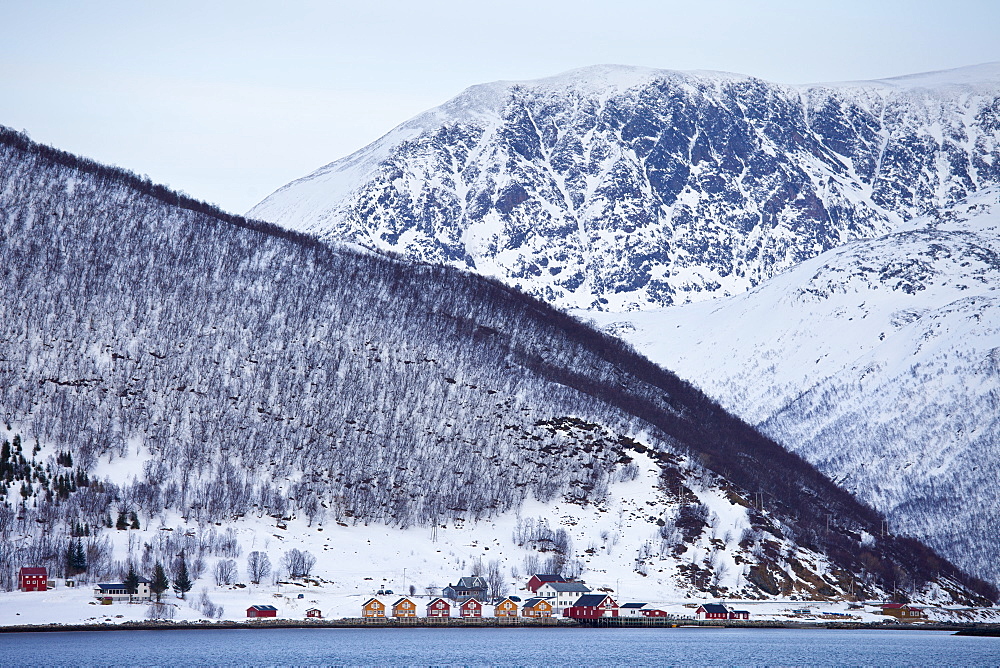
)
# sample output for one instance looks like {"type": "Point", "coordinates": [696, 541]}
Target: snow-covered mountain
{"type": "Point", "coordinates": [229, 385]}
{"type": "Point", "coordinates": [878, 361]}
{"type": "Point", "coordinates": [622, 188]}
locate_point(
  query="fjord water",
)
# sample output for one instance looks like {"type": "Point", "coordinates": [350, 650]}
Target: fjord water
{"type": "Point", "coordinates": [517, 646]}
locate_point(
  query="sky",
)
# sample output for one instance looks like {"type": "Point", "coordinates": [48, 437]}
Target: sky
{"type": "Point", "coordinates": [228, 101]}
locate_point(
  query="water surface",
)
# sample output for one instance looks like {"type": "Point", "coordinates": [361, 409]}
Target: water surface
{"type": "Point", "coordinates": [493, 646]}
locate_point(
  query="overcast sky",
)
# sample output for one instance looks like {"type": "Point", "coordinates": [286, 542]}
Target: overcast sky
{"type": "Point", "coordinates": [228, 101]}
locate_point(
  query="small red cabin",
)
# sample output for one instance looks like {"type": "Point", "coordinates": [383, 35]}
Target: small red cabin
{"type": "Point", "coordinates": [592, 606]}
{"type": "Point", "coordinates": [255, 611]}
{"type": "Point", "coordinates": [314, 613]}
{"type": "Point", "coordinates": [439, 608]}
{"type": "Point", "coordinates": [538, 579]}
{"type": "Point", "coordinates": [471, 608]}
{"type": "Point", "coordinates": [653, 612]}
{"type": "Point", "coordinates": [33, 578]}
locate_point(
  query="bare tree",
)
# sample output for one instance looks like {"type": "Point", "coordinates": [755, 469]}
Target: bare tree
{"type": "Point", "coordinates": [495, 583]}
{"type": "Point", "coordinates": [298, 563]}
{"type": "Point", "coordinates": [225, 572]}
{"type": "Point", "coordinates": [258, 566]}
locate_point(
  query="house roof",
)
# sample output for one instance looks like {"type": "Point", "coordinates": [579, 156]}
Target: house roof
{"type": "Point", "coordinates": [567, 586]}
{"type": "Point", "coordinates": [121, 585]}
{"type": "Point", "coordinates": [374, 599]}
{"type": "Point", "coordinates": [262, 607]}
{"type": "Point", "coordinates": [532, 602]}
{"type": "Point", "coordinates": [436, 600]}
{"type": "Point", "coordinates": [34, 570]}
{"type": "Point", "coordinates": [742, 612]}
{"type": "Point", "coordinates": [472, 582]}
{"type": "Point", "coordinates": [633, 605]}
{"type": "Point", "coordinates": [548, 577]}
{"type": "Point", "coordinates": [398, 601]}
{"type": "Point", "coordinates": [897, 606]}
{"type": "Point", "coordinates": [715, 608]}
{"type": "Point", "coordinates": [590, 600]}
{"type": "Point", "coordinates": [470, 600]}
{"type": "Point", "coordinates": [504, 600]}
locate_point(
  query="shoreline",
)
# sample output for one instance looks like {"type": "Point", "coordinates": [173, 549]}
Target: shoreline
{"type": "Point", "coordinates": [970, 629]}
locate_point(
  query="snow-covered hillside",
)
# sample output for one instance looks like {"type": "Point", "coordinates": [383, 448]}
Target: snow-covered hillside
{"type": "Point", "coordinates": [878, 361]}
{"type": "Point", "coordinates": [621, 188]}
{"type": "Point", "coordinates": [162, 360]}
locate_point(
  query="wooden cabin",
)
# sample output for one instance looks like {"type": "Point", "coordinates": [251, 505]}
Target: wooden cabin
{"type": "Point", "coordinates": [439, 608]}
{"type": "Point", "coordinates": [505, 608]}
{"type": "Point", "coordinates": [404, 607]}
{"type": "Point", "coordinates": [256, 611]}
{"type": "Point", "coordinates": [471, 608]}
{"type": "Point", "coordinates": [538, 579]}
{"type": "Point", "coordinates": [373, 608]}
{"type": "Point", "coordinates": [31, 578]}
{"type": "Point", "coordinates": [536, 607]}
{"type": "Point", "coordinates": [592, 606]}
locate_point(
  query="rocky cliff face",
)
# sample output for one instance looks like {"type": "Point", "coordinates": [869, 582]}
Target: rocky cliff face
{"type": "Point", "coordinates": [620, 188]}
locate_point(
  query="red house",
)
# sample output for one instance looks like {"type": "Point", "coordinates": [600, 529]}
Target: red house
{"type": "Point", "coordinates": [539, 579]}
{"type": "Point", "coordinates": [739, 614]}
{"type": "Point", "coordinates": [712, 611]}
{"type": "Point", "coordinates": [255, 611]}
{"type": "Point", "coordinates": [471, 608]}
{"type": "Point", "coordinates": [314, 613]}
{"type": "Point", "coordinates": [33, 579]}
{"type": "Point", "coordinates": [439, 608]}
{"type": "Point", "coordinates": [592, 606]}
{"type": "Point", "coordinates": [654, 612]}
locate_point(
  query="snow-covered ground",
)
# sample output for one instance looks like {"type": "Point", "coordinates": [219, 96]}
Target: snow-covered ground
{"type": "Point", "coordinates": [78, 606]}
{"type": "Point", "coordinates": [610, 539]}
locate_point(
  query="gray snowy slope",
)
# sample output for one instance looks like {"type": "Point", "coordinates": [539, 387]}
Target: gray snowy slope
{"type": "Point", "coordinates": [879, 362]}
{"type": "Point", "coordinates": [623, 188]}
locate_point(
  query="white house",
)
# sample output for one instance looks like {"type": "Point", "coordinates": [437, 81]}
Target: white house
{"type": "Point", "coordinates": [562, 594]}
{"type": "Point", "coordinates": [631, 609]}
{"type": "Point", "coordinates": [117, 591]}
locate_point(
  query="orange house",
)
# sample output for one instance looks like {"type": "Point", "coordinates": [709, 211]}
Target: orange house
{"type": "Point", "coordinates": [373, 608]}
{"type": "Point", "coordinates": [404, 607]}
{"type": "Point", "coordinates": [471, 608]}
{"type": "Point", "coordinates": [536, 607]}
{"type": "Point", "coordinates": [505, 608]}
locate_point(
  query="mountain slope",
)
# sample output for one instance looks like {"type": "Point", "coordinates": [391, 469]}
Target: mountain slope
{"type": "Point", "coordinates": [619, 188]}
{"type": "Point", "coordinates": [878, 362]}
{"type": "Point", "coordinates": [165, 359]}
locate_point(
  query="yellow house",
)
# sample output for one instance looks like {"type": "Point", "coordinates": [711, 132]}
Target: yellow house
{"type": "Point", "coordinates": [505, 608]}
{"type": "Point", "coordinates": [536, 607]}
{"type": "Point", "coordinates": [404, 607]}
{"type": "Point", "coordinates": [373, 608]}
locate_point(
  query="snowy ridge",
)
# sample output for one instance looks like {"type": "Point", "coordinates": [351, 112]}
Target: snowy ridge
{"type": "Point", "coordinates": [621, 188]}
{"type": "Point", "coordinates": [878, 361]}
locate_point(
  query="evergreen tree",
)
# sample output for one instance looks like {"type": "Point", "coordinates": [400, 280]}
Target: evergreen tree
{"type": "Point", "coordinates": [182, 582]}
{"type": "Point", "coordinates": [76, 558]}
{"type": "Point", "coordinates": [131, 581]}
{"type": "Point", "coordinates": [160, 581]}
{"type": "Point", "coordinates": [81, 556]}
{"type": "Point", "coordinates": [122, 522]}
{"type": "Point", "coordinates": [133, 521]}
